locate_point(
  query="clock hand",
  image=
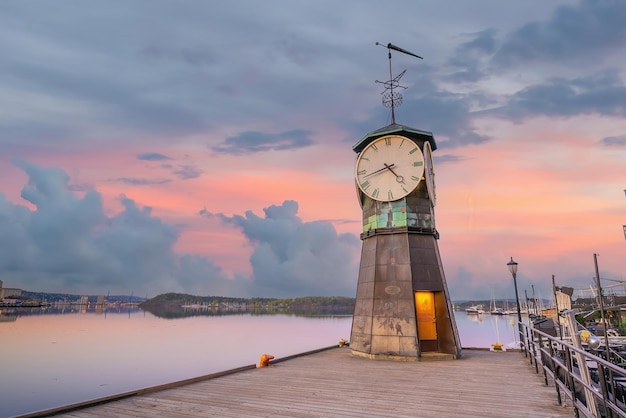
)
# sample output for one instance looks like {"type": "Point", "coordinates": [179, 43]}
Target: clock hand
{"type": "Point", "coordinates": [379, 170]}
{"type": "Point", "coordinates": [399, 179]}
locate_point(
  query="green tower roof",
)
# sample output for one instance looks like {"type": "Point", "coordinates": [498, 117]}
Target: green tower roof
{"type": "Point", "coordinates": [397, 129]}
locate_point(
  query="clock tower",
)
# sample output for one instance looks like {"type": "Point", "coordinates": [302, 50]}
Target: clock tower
{"type": "Point", "coordinates": [403, 309]}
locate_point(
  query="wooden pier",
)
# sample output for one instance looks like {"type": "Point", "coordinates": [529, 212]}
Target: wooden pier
{"type": "Point", "coordinates": [335, 383]}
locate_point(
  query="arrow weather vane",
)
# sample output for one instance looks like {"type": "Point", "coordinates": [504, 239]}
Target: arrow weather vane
{"type": "Point", "coordinates": [390, 98]}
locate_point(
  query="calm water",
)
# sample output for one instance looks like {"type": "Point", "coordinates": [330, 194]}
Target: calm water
{"type": "Point", "coordinates": [54, 360]}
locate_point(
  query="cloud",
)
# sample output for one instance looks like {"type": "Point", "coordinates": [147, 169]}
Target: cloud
{"type": "Point", "coordinates": [296, 258]}
{"type": "Point", "coordinates": [141, 182]}
{"type": "Point", "coordinates": [448, 158]}
{"type": "Point", "coordinates": [182, 171]}
{"type": "Point", "coordinates": [448, 115]}
{"type": "Point", "coordinates": [573, 36]}
{"type": "Point", "coordinates": [194, 56]}
{"type": "Point", "coordinates": [152, 156]}
{"type": "Point", "coordinates": [250, 142]}
{"type": "Point", "coordinates": [470, 57]}
{"type": "Point", "coordinates": [614, 141]}
{"type": "Point", "coordinates": [85, 91]}
{"type": "Point", "coordinates": [68, 244]}
{"type": "Point", "coordinates": [601, 94]}
{"type": "Point", "coordinates": [574, 33]}
{"type": "Point", "coordinates": [187, 172]}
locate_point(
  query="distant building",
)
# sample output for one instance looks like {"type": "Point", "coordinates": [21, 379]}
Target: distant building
{"type": "Point", "coordinates": [5, 292]}
{"type": "Point", "coordinates": [564, 299]}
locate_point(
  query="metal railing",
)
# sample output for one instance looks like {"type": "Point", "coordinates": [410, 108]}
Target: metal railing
{"type": "Point", "coordinates": [594, 386]}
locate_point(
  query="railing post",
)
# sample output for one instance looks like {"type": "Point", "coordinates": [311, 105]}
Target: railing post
{"type": "Point", "coordinates": [554, 366]}
{"type": "Point", "coordinates": [536, 345]}
{"type": "Point", "coordinates": [570, 379]}
{"type": "Point", "coordinates": [522, 342]}
{"type": "Point", "coordinates": [531, 345]}
{"type": "Point", "coordinates": [523, 337]}
{"type": "Point", "coordinates": [582, 362]}
{"type": "Point", "coordinates": [605, 390]}
{"type": "Point", "coordinates": [542, 355]}
{"type": "Point", "coordinates": [528, 340]}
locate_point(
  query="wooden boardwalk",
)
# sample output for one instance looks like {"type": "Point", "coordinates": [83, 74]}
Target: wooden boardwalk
{"type": "Point", "coordinates": [334, 383]}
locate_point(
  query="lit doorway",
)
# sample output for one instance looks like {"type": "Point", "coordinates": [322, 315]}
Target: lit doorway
{"type": "Point", "coordinates": [426, 321]}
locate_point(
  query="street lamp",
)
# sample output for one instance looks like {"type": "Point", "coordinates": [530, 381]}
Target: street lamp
{"type": "Point", "coordinates": [513, 269]}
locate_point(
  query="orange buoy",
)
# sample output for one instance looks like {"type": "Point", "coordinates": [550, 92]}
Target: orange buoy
{"type": "Point", "coordinates": [264, 361]}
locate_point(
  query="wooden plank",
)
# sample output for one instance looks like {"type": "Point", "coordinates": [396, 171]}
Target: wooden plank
{"type": "Point", "coordinates": [336, 383]}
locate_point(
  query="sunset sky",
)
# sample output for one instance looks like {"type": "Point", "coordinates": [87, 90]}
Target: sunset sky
{"type": "Point", "coordinates": [206, 147]}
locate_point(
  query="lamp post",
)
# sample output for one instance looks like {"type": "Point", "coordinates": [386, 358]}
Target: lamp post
{"type": "Point", "coordinates": [513, 269]}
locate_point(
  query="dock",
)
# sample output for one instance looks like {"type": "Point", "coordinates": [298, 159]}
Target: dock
{"type": "Point", "coordinates": [334, 383]}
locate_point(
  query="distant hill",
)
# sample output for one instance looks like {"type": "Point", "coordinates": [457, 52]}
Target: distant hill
{"type": "Point", "coordinates": [173, 305]}
{"type": "Point", "coordinates": [165, 300]}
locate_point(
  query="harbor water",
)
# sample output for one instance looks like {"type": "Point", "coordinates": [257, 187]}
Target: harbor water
{"type": "Point", "coordinates": [50, 360]}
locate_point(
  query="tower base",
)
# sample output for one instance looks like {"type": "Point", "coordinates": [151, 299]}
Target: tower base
{"type": "Point", "coordinates": [393, 357]}
{"type": "Point", "coordinates": [403, 311]}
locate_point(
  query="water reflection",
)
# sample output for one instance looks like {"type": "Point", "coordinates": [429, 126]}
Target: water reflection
{"type": "Point", "coordinates": [476, 318]}
{"type": "Point", "coordinates": [12, 314]}
{"type": "Point", "coordinates": [8, 316]}
{"type": "Point", "coordinates": [480, 331]}
{"type": "Point", "coordinates": [60, 357]}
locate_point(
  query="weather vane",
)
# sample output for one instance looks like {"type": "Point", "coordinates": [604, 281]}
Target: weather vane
{"type": "Point", "coordinates": [392, 98]}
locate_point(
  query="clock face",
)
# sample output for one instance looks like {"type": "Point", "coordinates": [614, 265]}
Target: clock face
{"type": "Point", "coordinates": [429, 173]}
{"type": "Point", "coordinates": [389, 168]}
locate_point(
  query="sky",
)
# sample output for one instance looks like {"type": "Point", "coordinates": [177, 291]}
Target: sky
{"type": "Point", "coordinates": [206, 147]}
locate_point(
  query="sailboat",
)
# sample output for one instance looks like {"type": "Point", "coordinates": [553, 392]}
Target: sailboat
{"type": "Point", "coordinates": [507, 309]}
{"type": "Point", "coordinates": [497, 311]}
{"type": "Point", "coordinates": [493, 309]}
